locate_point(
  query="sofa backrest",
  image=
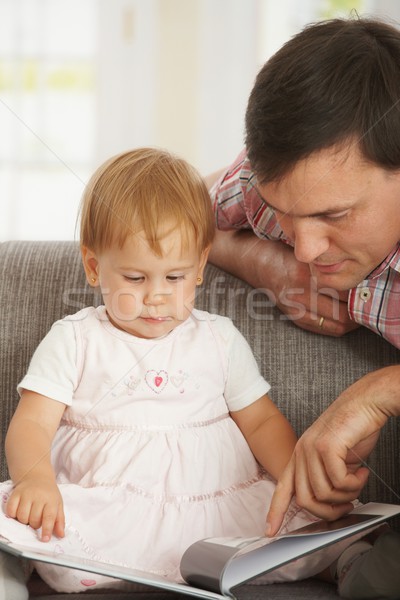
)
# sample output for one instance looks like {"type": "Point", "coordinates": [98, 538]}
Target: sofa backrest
{"type": "Point", "coordinates": [41, 282]}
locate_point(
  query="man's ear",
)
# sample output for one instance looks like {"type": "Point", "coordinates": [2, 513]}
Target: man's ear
{"type": "Point", "coordinates": [91, 266]}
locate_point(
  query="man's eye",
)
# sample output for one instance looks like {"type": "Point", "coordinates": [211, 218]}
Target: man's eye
{"type": "Point", "coordinates": [338, 215]}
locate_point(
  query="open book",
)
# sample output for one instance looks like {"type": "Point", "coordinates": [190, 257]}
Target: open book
{"type": "Point", "coordinates": [213, 567]}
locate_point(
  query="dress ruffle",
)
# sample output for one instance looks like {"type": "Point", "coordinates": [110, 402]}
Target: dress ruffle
{"type": "Point", "coordinates": [148, 493]}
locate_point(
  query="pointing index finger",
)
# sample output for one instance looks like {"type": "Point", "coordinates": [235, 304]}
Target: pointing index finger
{"type": "Point", "coordinates": [281, 499]}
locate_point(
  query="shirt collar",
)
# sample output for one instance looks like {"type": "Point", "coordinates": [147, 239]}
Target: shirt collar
{"type": "Point", "coordinates": [392, 261]}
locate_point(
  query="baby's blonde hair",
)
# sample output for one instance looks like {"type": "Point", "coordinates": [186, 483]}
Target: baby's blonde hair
{"type": "Point", "coordinates": [145, 190]}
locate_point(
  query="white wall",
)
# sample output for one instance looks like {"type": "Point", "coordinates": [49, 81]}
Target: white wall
{"type": "Point", "coordinates": [176, 74]}
{"type": "Point", "coordinates": [169, 73]}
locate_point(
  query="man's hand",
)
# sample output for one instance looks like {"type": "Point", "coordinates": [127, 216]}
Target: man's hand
{"type": "Point", "coordinates": [272, 268]}
{"type": "Point", "coordinates": [326, 471]}
{"type": "Point", "coordinates": [298, 297]}
{"type": "Point", "coordinates": [38, 504]}
{"type": "Point", "coordinates": [323, 500]}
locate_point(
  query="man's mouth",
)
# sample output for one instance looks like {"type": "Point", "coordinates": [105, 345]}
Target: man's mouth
{"type": "Point", "coordinates": [328, 268]}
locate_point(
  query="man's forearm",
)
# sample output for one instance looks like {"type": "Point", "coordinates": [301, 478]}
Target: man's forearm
{"type": "Point", "coordinates": [382, 390]}
{"type": "Point", "coordinates": [246, 256]}
{"type": "Point", "coordinates": [271, 266]}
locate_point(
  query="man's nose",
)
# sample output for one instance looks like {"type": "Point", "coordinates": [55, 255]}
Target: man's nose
{"type": "Point", "coordinates": [310, 239]}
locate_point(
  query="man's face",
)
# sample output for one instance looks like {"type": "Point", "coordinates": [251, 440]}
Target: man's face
{"type": "Point", "coordinates": [341, 213]}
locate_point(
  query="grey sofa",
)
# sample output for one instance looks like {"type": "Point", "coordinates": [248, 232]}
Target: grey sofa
{"type": "Point", "coordinates": [43, 281]}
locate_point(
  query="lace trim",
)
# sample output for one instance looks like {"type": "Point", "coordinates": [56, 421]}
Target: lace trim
{"type": "Point", "coordinates": [178, 499]}
{"type": "Point", "coordinates": [69, 423]}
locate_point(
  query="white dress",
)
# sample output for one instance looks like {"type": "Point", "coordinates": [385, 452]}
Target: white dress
{"type": "Point", "coordinates": [147, 457]}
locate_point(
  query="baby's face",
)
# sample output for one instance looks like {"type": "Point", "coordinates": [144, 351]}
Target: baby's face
{"type": "Point", "coordinates": [145, 294]}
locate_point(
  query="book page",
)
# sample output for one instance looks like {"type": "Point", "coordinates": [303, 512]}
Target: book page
{"type": "Point", "coordinates": [244, 545]}
{"type": "Point", "coordinates": [213, 568]}
{"type": "Point", "coordinates": [324, 526]}
{"type": "Point", "coordinates": [140, 577]}
{"type": "Point", "coordinates": [250, 562]}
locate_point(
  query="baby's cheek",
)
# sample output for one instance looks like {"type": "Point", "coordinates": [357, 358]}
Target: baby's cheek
{"type": "Point", "coordinates": [123, 306]}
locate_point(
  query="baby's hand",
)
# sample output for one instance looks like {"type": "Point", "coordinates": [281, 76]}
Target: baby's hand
{"type": "Point", "coordinates": [38, 503]}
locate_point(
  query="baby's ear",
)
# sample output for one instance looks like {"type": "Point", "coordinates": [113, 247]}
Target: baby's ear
{"type": "Point", "coordinates": [202, 264]}
{"type": "Point", "coordinates": [90, 264]}
{"type": "Point", "coordinates": [203, 259]}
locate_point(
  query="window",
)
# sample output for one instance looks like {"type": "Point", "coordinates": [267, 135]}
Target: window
{"type": "Point", "coordinates": [81, 80]}
{"type": "Point", "coordinates": [47, 114]}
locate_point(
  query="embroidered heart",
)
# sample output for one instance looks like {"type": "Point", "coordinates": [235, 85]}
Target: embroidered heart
{"type": "Point", "coordinates": [132, 383]}
{"type": "Point", "coordinates": [156, 380]}
{"type": "Point", "coordinates": [88, 582]}
{"type": "Point", "coordinates": [177, 380]}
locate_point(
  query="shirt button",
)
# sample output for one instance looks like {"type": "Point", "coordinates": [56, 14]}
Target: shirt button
{"type": "Point", "coordinates": [365, 294]}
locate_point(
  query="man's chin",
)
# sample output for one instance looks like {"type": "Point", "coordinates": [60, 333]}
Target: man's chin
{"type": "Point", "coordinates": [339, 282]}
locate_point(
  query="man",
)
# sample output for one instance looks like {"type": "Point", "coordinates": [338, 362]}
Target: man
{"type": "Point", "coordinates": [311, 211]}
{"type": "Point", "coordinates": [335, 86]}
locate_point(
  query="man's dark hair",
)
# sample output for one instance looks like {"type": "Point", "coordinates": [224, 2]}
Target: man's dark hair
{"type": "Point", "coordinates": [337, 81]}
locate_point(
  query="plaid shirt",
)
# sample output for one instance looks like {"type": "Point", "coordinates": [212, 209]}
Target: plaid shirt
{"type": "Point", "coordinates": [374, 303]}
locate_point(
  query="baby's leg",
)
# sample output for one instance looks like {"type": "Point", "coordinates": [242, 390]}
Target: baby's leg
{"type": "Point", "coordinates": [329, 564]}
{"type": "Point", "coordinates": [369, 571]}
{"type": "Point", "coordinates": [13, 577]}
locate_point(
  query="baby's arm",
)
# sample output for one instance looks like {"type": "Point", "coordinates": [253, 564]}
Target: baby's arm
{"type": "Point", "coordinates": [36, 499]}
{"type": "Point", "coordinates": [268, 433]}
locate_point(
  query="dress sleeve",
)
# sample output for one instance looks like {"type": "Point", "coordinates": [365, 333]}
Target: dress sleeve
{"type": "Point", "coordinates": [52, 371]}
{"type": "Point", "coordinates": [244, 383]}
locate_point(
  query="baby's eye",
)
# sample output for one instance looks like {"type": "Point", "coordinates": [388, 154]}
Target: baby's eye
{"type": "Point", "coordinates": [134, 279]}
{"type": "Point", "coordinates": [175, 277]}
